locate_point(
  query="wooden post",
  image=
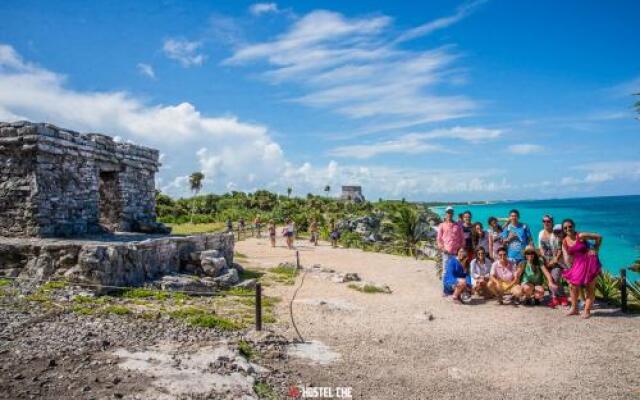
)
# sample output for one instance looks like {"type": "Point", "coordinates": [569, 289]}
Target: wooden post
{"type": "Point", "coordinates": [258, 307]}
{"type": "Point", "coordinates": [623, 290]}
{"type": "Point", "coordinates": [297, 259]}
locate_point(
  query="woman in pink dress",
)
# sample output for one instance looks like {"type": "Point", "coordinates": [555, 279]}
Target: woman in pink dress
{"type": "Point", "coordinates": [585, 267]}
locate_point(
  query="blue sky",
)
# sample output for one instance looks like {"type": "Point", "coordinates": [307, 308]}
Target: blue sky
{"type": "Point", "coordinates": [437, 101]}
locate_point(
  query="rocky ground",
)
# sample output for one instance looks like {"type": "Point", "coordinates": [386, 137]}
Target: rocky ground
{"type": "Point", "coordinates": [132, 347]}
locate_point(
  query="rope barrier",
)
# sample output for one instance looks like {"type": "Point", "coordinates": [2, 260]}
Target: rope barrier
{"type": "Point", "coordinates": [293, 322]}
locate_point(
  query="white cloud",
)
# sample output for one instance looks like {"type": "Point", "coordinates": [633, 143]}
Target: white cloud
{"type": "Point", "coordinates": [416, 143]}
{"type": "Point", "coordinates": [263, 8]}
{"type": "Point", "coordinates": [525, 148]}
{"type": "Point", "coordinates": [183, 51]}
{"type": "Point", "coordinates": [362, 151]}
{"type": "Point", "coordinates": [352, 67]}
{"type": "Point", "coordinates": [440, 23]}
{"type": "Point", "coordinates": [146, 70]}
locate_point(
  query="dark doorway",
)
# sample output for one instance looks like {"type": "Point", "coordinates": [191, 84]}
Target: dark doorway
{"type": "Point", "coordinates": [109, 201]}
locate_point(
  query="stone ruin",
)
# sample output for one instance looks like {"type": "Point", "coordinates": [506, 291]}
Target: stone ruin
{"type": "Point", "coordinates": [352, 193]}
{"type": "Point", "coordinates": [82, 207]}
{"type": "Point", "coordinates": [56, 182]}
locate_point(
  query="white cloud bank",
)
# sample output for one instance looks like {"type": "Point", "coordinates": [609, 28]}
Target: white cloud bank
{"type": "Point", "coordinates": [231, 153]}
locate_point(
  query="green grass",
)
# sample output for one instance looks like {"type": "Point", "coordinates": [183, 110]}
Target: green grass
{"type": "Point", "coordinates": [144, 293]}
{"type": "Point", "coordinates": [82, 310]}
{"type": "Point", "coordinates": [189, 229]}
{"type": "Point", "coordinates": [249, 274]}
{"type": "Point", "coordinates": [213, 321]}
{"type": "Point", "coordinates": [53, 285]}
{"type": "Point", "coordinates": [366, 288]}
{"type": "Point", "coordinates": [186, 312]}
{"type": "Point", "coordinates": [38, 296]}
{"type": "Point", "coordinates": [285, 275]}
{"type": "Point", "coordinates": [5, 282]}
{"type": "Point", "coordinates": [246, 349]}
{"type": "Point", "coordinates": [265, 391]}
{"type": "Point", "coordinates": [117, 310]}
{"type": "Point", "coordinates": [240, 291]}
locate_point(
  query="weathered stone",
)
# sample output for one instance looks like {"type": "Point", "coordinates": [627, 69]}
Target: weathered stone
{"type": "Point", "coordinates": [228, 279]}
{"type": "Point", "coordinates": [63, 183]}
{"type": "Point", "coordinates": [104, 264]}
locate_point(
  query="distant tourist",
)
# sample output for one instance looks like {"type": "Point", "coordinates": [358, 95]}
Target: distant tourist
{"type": "Point", "coordinates": [495, 237]}
{"type": "Point", "coordinates": [479, 237]}
{"type": "Point", "coordinates": [241, 225]}
{"type": "Point", "coordinates": [289, 232]}
{"type": "Point", "coordinates": [503, 279]}
{"type": "Point", "coordinates": [481, 272]}
{"type": "Point", "coordinates": [516, 237]}
{"type": "Point", "coordinates": [229, 225]}
{"type": "Point", "coordinates": [272, 233]}
{"type": "Point", "coordinates": [585, 267]}
{"type": "Point", "coordinates": [449, 238]}
{"type": "Point", "coordinates": [257, 223]}
{"type": "Point", "coordinates": [314, 232]}
{"type": "Point", "coordinates": [456, 280]}
{"type": "Point", "coordinates": [334, 234]}
{"type": "Point", "coordinates": [531, 274]}
{"type": "Point", "coordinates": [550, 247]}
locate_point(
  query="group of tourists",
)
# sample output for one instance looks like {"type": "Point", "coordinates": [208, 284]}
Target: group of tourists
{"type": "Point", "coordinates": [503, 262]}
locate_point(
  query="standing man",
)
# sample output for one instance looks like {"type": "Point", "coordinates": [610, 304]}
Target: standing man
{"type": "Point", "coordinates": [550, 242]}
{"type": "Point", "coordinates": [467, 233]}
{"type": "Point", "coordinates": [516, 236]}
{"type": "Point", "coordinates": [450, 238]}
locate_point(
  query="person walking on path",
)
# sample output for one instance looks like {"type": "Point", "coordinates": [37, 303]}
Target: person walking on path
{"type": "Point", "coordinates": [289, 233]}
{"type": "Point", "coordinates": [272, 233]}
{"type": "Point", "coordinates": [585, 267]}
{"type": "Point", "coordinates": [450, 238]}
{"type": "Point", "coordinates": [257, 223]}
{"type": "Point", "coordinates": [313, 230]}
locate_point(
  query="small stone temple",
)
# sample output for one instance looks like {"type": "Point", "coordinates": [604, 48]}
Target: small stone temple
{"type": "Point", "coordinates": [352, 193]}
{"type": "Point", "coordinates": [56, 182]}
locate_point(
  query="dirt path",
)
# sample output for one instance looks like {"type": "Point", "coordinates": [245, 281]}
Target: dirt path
{"type": "Point", "coordinates": [414, 344]}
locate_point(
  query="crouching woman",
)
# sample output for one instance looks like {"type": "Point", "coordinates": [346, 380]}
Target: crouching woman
{"type": "Point", "coordinates": [456, 279]}
{"type": "Point", "coordinates": [531, 274]}
{"type": "Point", "coordinates": [502, 278]}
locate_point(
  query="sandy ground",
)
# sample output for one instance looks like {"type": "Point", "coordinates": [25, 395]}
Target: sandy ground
{"type": "Point", "coordinates": [414, 344]}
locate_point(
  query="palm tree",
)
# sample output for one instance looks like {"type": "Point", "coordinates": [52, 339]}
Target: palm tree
{"type": "Point", "coordinates": [407, 227]}
{"type": "Point", "coordinates": [289, 190]}
{"type": "Point", "coordinates": [327, 189]}
{"type": "Point", "coordinates": [195, 183]}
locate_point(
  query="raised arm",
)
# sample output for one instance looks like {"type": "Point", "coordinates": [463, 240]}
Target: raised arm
{"type": "Point", "coordinates": [592, 236]}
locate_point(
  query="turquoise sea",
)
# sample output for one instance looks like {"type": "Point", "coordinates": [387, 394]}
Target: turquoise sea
{"type": "Point", "coordinates": [617, 219]}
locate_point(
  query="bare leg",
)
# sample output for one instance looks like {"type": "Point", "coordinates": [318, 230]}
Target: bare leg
{"type": "Point", "coordinates": [590, 297]}
{"type": "Point", "coordinates": [574, 300]}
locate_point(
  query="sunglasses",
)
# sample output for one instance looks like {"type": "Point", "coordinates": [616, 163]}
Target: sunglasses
{"type": "Point", "coordinates": [529, 254]}
{"type": "Point", "coordinates": [547, 221]}
{"type": "Point", "coordinates": [502, 254]}
{"type": "Point", "coordinates": [568, 227]}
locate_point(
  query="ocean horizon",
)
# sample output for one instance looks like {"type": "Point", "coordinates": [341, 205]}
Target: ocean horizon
{"type": "Point", "coordinates": [614, 217]}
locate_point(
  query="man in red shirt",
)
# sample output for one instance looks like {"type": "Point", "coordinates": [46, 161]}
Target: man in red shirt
{"type": "Point", "coordinates": [450, 237]}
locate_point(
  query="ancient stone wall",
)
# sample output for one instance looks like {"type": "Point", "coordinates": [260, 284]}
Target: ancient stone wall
{"type": "Point", "coordinates": [110, 264]}
{"type": "Point", "coordinates": [17, 184]}
{"type": "Point", "coordinates": [63, 183]}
